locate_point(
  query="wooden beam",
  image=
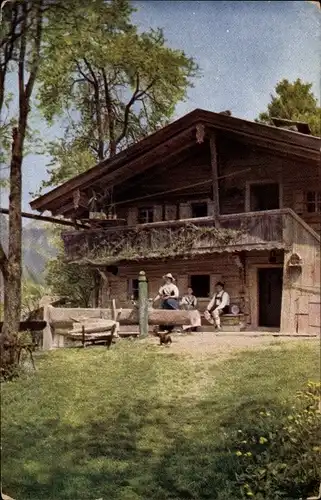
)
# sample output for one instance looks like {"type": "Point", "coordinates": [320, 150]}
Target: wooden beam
{"type": "Point", "coordinates": [160, 156]}
{"type": "Point", "coordinates": [161, 166]}
{"type": "Point", "coordinates": [44, 218]}
{"type": "Point", "coordinates": [215, 182]}
{"type": "Point", "coordinates": [117, 167]}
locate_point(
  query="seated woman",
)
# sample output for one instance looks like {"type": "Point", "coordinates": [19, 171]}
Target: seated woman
{"type": "Point", "coordinates": [168, 294]}
{"type": "Point", "coordinates": [189, 303]}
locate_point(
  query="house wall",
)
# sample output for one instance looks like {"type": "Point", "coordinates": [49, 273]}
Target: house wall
{"type": "Point", "coordinates": [302, 287]}
{"type": "Point", "coordinates": [242, 286]}
{"type": "Point", "coordinates": [239, 166]}
{"type": "Point", "coordinates": [294, 178]}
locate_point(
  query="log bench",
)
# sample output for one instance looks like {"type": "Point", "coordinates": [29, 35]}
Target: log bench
{"type": "Point", "coordinates": [229, 323]}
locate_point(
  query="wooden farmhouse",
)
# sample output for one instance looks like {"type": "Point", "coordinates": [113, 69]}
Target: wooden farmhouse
{"type": "Point", "coordinates": [209, 197]}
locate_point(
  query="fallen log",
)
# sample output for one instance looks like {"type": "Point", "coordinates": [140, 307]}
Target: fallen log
{"type": "Point", "coordinates": [161, 317]}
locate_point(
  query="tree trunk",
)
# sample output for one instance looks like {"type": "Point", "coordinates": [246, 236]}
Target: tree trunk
{"type": "Point", "coordinates": [12, 292]}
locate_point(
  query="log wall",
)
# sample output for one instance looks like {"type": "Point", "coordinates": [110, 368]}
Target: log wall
{"type": "Point", "coordinates": [242, 164]}
{"type": "Point", "coordinates": [239, 285]}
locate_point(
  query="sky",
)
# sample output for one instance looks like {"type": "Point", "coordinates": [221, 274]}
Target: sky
{"type": "Point", "coordinates": [242, 47]}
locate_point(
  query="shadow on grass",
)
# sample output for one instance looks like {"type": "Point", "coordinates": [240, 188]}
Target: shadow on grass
{"type": "Point", "coordinates": [135, 443]}
{"type": "Point", "coordinates": [140, 454]}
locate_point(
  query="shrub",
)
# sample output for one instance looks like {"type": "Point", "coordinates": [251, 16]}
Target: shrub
{"type": "Point", "coordinates": [279, 454]}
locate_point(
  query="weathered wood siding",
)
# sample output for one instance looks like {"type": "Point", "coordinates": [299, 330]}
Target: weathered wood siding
{"type": "Point", "coordinates": [242, 286]}
{"type": "Point", "coordinates": [295, 179]}
{"type": "Point", "coordinates": [219, 267]}
{"type": "Point", "coordinates": [301, 301]}
{"type": "Point", "coordinates": [238, 166]}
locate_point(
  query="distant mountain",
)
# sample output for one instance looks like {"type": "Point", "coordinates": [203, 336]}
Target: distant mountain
{"type": "Point", "coordinates": [37, 248]}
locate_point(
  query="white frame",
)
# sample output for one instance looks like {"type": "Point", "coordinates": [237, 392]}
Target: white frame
{"type": "Point", "coordinates": [315, 202]}
{"type": "Point", "coordinates": [253, 290]}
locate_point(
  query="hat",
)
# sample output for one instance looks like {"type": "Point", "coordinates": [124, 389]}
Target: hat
{"type": "Point", "coordinates": [169, 276]}
{"type": "Point", "coordinates": [219, 283]}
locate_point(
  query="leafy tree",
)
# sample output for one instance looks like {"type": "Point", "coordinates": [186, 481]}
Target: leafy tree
{"type": "Point", "coordinates": [114, 84]}
{"type": "Point", "coordinates": [70, 281]}
{"type": "Point", "coordinates": [32, 293]}
{"type": "Point", "coordinates": [20, 46]}
{"type": "Point", "coordinates": [294, 101]}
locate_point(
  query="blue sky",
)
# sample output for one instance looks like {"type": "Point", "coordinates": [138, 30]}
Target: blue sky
{"type": "Point", "coordinates": [243, 48]}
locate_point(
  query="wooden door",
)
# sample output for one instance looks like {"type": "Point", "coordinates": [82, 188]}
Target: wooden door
{"type": "Point", "coordinates": [270, 296]}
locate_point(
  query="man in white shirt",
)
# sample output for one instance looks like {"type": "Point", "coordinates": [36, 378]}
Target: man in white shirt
{"type": "Point", "coordinates": [218, 305]}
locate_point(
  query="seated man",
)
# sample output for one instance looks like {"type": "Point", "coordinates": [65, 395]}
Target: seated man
{"type": "Point", "coordinates": [217, 306]}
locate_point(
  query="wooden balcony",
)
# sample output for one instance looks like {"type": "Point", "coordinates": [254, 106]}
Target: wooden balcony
{"type": "Point", "coordinates": [183, 238]}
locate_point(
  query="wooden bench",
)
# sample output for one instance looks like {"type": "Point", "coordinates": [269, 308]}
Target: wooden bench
{"type": "Point", "coordinates": [229, 323]}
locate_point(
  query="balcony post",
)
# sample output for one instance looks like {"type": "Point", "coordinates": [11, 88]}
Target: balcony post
{"type": "Point", "coordinates": [143, 304]}
{"type": "Point", "coordinates": [215, 184]}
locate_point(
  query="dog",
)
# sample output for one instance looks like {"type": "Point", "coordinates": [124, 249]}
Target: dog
{"type": "Point", "coordinates": [164, 338]}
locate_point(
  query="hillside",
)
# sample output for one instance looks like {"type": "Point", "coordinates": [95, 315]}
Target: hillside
{"type": "Point", "coordinates": [37, 248]}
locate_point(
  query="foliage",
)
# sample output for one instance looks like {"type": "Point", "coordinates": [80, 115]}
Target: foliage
{"type": "Point", "coordinates": [114, 84]}
{"type": "Point", "coordinates": [280, 457]}
{"type": "Point", "coordinates": [70, 281]}
{"type": "Point", "coordinates": [139, 422]}
{"type": "Point", "coordinates": [294, 101]}
{"type": "Point", "coordinates": [31, 295]}
{"type": "Point", "coordinates": [136, 244]}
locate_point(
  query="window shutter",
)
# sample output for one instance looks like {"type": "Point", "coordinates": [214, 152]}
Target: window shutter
{"type": "Point", "coordinates": [158, 213]}
{"type": "Point", "coordinates": [170, 212]}
{"type": "Point", "coordinates": [211, 208]}
{"type": "Point", "coordinates": [132, 216]}
{"type": "Point", "coordinates": [185, 211]}
{"type": "Point", "coordinates": [298, 202]}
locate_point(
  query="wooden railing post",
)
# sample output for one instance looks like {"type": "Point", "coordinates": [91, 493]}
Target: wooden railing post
{"type": "Point", "coordinates": [143, 304]}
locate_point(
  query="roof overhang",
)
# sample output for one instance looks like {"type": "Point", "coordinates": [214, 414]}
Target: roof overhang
{"type": "Point", "coordinates": [179, 135]}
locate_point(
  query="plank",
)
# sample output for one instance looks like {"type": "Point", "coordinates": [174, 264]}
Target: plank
{"type": "Point", "coordinates": [215, 185]}
{"type": "Point", "coordinates": [34, 326]}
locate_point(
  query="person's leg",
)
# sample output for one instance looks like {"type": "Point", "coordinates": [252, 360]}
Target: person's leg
{"type": "Point", "coordinates": [217, 319]}
{"type": "Point", "coordinates": [172, 304]}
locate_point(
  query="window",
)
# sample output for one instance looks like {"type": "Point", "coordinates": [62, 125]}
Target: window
{"type": "Point", "coordinates": [133, 289]}
{"type": "Point", "coordinates": [313, 201]}
{"type": "Point", "coordinates": [264, 197]}
{"type": "Point", "coordinates": [199, 210]}
{"type": "Point", "coordinates": [145, 215]}
{"type": "Point", "coordinates": [200, 284]}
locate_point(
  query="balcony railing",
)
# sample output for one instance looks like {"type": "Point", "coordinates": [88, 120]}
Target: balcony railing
{"type": "Point", "coordinates": [246, 231]}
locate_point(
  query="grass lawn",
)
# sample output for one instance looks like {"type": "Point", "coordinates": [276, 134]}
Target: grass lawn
{"type": "Point", "coordinates": [136, 423]}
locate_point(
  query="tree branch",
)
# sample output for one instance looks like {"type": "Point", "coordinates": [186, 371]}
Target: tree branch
{"type": "Point", "coordinates": [127, 111]}
{"type": "Point", "coordinates": [110, 112]}
{"type": "Point", "coordinates": [36, 53]}
{"type": "Point", "coordinates": [137, 95]}
{"type": "Point", "coordinates": [97, 109]}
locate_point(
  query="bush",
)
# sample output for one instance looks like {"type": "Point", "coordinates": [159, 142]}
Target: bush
{"type": "Point", "coordinates": [279, 454]}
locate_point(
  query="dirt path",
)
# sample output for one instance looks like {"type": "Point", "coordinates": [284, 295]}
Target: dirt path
{"type": "Point", "coordinates": [223, 345]}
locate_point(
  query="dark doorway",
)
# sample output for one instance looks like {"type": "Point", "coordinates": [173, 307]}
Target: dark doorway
{"type": "Point", "coordinates": [270, 296]}
{"type": "Point", "coordinates": [200, 284]}
{"type": "Point", "coordinates": [199, 210]}
{"type": "Point", "coordinates": [264, 197]}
